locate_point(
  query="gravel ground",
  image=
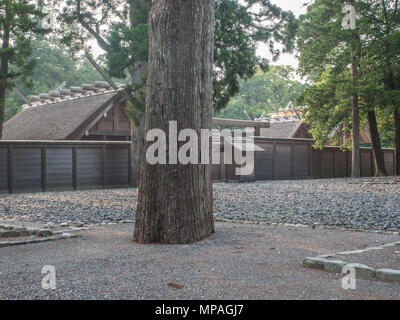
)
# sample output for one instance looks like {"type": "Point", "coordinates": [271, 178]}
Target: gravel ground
{"type": "Point", "coordinates": [350, 203]}
{"type": "Point", "coordinates": [237, 262]}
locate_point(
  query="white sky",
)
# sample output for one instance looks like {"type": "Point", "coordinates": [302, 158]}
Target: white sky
{"type": "Point", "coordinates": [296, 6]}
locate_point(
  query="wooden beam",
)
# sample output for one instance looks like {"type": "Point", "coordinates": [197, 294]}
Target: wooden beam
{"type": "Point", "coordinates": [101, 71]}
{"type": "Point", "coordinates": [240, 123]}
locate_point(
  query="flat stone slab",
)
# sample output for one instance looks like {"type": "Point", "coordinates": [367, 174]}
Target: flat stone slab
{"type": "Point", "coordinates": [363, 271]}
{"type": "Point", "coordinates": [334, 265]}
{"type": "Point", "coordinates": [388, 274]}
{"type": "Point", "coordinates": [37, 240]}
{"type": "Point", "coordinates": [314, 262]}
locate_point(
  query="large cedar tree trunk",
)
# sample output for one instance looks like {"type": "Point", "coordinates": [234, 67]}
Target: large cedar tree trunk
{"type": "Point", "coordinates": [397, 139]}
{"type": "Point", "coordinates": [377, 152]}
{"type": "Point", "coordinates": [175, 200]}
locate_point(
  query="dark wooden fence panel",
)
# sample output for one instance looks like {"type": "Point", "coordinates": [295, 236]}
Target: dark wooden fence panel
{"type": "Point", "coordinates": [366, 163]}
{"type": "Point", "coordinates": [301, 160]}
{"type": "Point", "coordinates": [59, 167]}
{"type": "Point", "coordinates": [264, 162]}
{"type": "Point", "coordinates": [3, 169]}
{"type": "Point", "coordinates": [316, 164]}
{"type": "Point", "coordinates": [283, 161]}
{"type": "Point", "coordinates": [341, 164]}
{"type": "Point", "coordinates": [27, 168]}
{"type": "Point", "coordinates": [89, 166]}
{"type": "Point", "coordinates": [389, 162]}
{"type": "Point", "coordinates": [116, 170]}
{"type": "Point", "coordinates": [63, 165]}
{"type": "Point", "coordinates": [328, 163]}
{"type": "Point", "coordinates": [296, 159]}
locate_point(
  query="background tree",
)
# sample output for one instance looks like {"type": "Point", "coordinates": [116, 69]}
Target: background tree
{"type": "Point", "coordinates": [175, 200]}
{"type": "Point", "coordinates": [326, 46]}
{"type": "Point", "coordinates": [53, 66]}
{"type": "Point", "coordinates": [277, 84]}
{"type": "Point", "coordinates": [19, 20]}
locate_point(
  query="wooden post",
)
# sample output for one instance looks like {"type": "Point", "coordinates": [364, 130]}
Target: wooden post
{"type": "Point", "coordinates": [274, 161]}
{"type": "Point", "coordinates": [10, 167]}
{"type": "Point", "coordinates": [310, 161]}
{"type": "Point", "coordinates": [103, 165]}
{"type": "Point", "coordinates": [334, 163]}
{"type": "Point", "coordinates": [75, 167]}
{"type": "Point", "coordinates": [292, 159]}
{"type": "Point", "coordinates": [320, 163]}
{"type": "Point", "coordinates": [44, 167]}
{"type": "Point", "coordinates": [130, 181]}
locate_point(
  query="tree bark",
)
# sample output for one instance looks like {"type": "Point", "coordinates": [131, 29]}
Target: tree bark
{"type": "Point", "coordinates": [356, 171]}
{"type": "Point", "coordinates": [3, 76]}
{"type": "Point", "coordinates": [137, 142]}
{"type": "Point", "coordinates": [175, 200]}
{"type": "Point", "coordinates": [397, 139]}
{"type": "Point", "coordinates": [379, 160]}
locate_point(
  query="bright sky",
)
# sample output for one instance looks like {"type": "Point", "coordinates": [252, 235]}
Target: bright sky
{"type": "Point", "coordinates": [298, 8]}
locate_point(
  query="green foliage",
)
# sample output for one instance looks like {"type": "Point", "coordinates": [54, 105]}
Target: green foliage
{"type": "Point", "coordinates": [240, 26]}
{"type": "Point", "coordinates": [327, 50]}
{"type": "Point", "coordinates": [52, 67]}
{"type": "Point", "coordinates": [277, 84]}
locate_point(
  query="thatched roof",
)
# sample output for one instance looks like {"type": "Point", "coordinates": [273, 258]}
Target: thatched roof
{"type": "Point", "coordinates": [59, 118]}
{"type": "Point", "coordinates": [282, 129]}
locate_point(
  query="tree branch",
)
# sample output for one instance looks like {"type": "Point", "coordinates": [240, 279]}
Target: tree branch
{"type": "Point", "coordinates": [101, 42]}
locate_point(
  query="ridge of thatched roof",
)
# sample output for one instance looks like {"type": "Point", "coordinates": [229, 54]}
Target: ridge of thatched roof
{"type": "Point", "coordinates": [57, 118]}
{"type": "Point", "coordinates": [282, 129]}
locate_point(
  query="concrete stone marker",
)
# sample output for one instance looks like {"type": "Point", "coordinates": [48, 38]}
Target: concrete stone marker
{"type": "Point", "coordinates": [388, 275]}
{"type": "Point", "coordinates": [314, 263]}
{"type": "Point", "coordinates": [334, 265]}
{"type": "Point", "coordinates": [363, 271]}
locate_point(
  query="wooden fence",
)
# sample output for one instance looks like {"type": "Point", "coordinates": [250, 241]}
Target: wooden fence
{"type": "Point", "coordinates": [72, 165]}
{"type": "Point", "coordinates": [63, 165]}
{"type": "Point", "coordinates": [297, 159]}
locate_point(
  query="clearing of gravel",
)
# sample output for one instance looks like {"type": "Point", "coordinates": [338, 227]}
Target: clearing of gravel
{"type": "Point", "coordinates": [368, 204]}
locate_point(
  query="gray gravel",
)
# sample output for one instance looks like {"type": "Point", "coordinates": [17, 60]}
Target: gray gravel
{"type": "Point", "coordinates": [350, 203]}
{"type": "Point", "coordinates": [237, 262]}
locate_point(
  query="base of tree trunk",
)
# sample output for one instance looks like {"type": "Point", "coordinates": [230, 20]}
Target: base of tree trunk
{"type": "Point", "coordinates": [175, 200]}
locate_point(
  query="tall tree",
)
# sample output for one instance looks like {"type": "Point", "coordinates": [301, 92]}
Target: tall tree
{"type": "Point", "coordinates": [18, 21]}
{"type": "Point", "coordinates": [120, 28]}
{"type": "Point", "coordinates": [324, 42]}
{"type": "Point", "coordinates": [175, 200]}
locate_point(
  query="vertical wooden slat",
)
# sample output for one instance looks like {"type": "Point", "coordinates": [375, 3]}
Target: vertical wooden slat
{"type": "Point", "coordinates": [75, 167]}
{"type": "Point", "coordinates": [310, 166]}
{"type": "Point", "coordinates": [10, 167]}
{"type": "Point", "coordinates": [274, 161]}
{"type": "Point", "coordinates": [320, 163]}
{"type": "Point", "coordinates": [130, 166]}
{"type": "Point", "coordinates": [103, 165]}
{"type": "Point", "coordinates": [292, 160]}
{"type": "Point", "coordinates": [334, 163]}
{"type": "Point", "coordinates": [44, 167]}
